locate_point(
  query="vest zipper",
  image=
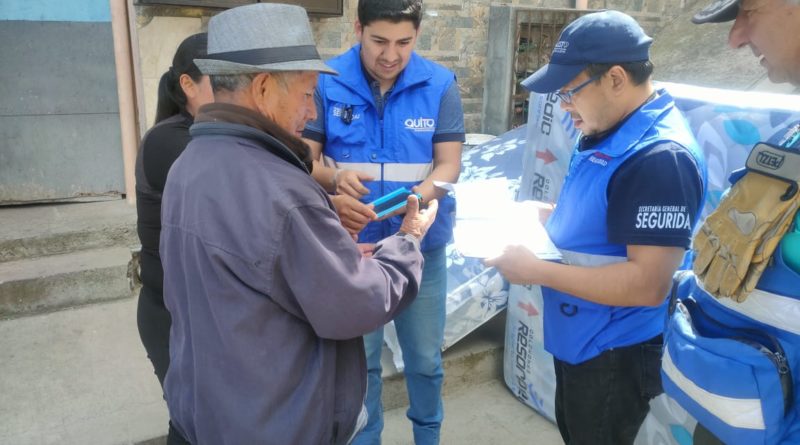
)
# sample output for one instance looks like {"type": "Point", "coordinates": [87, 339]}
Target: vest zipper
{"type": "Point", "coordinates": [383, 142]}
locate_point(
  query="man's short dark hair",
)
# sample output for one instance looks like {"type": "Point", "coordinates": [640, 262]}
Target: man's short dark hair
{"type": "Point", "coordinates": [639, 72]}
{"type": "Point", "coordinates": [395, 11]}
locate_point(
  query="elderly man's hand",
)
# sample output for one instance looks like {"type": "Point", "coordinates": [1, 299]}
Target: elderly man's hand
{"type": "Point", "coordinates": [417, 222]}
{"type": "Point", "coordinates": [353, 213]}
{"type": "Point", "coordinates": [349, 182]}
{"type": "Point", "coordinates": [517, 264]}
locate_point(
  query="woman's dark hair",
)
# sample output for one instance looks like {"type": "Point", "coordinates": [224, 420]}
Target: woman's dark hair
{"type": "Point", "coordinates": [171, 99]}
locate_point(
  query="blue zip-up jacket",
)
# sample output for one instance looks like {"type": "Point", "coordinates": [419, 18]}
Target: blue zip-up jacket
{"type": "Point", "coordinates": [397, 150]}
{"type": "Point", "coordinates": [577, 330]}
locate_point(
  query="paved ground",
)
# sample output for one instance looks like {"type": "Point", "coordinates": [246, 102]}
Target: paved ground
{"type": "Point", "coordinates": [77, 376]}
{"type": "Point", "coordinates": [486, 414]}
{"type": "Point", "coordinates": [81, 376]}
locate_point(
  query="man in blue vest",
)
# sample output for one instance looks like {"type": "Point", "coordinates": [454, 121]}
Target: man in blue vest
{"type": "Point", "coordinates": [623, 222]}
{"type": "Point", "coordinates": [393, 119]}
{"type": "Point", "coordinates": [766, 294]}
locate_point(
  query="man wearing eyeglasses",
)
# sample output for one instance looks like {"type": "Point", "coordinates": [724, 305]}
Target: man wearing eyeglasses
{"type": "Point", "coordinates": [623, 222]}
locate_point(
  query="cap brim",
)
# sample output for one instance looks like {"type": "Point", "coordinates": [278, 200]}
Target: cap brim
{"type": "Point", "coordinates": [551, 77]}
{"type": "Point", "coordinates": [718, 12]}
{"type": "Point", "coordinates": [219, 67]}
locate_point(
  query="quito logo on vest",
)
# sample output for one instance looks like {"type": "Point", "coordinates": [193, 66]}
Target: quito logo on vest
{"type": "Point", "coordinates": [420, 124]}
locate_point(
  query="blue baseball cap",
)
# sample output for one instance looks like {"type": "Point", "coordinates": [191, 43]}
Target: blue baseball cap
{"type": "Point", "coordinates": [599, 37]}
{"type": "Point", "coordinates": [717, 12]}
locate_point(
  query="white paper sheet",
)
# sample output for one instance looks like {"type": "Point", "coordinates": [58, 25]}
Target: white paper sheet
{"type": "Point", "coordinates": [488, 220]}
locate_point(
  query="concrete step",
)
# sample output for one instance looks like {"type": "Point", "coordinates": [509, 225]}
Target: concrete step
{"type": "Point", "coordinates": [81, 376]}
{"type": "Point", "coordinates": [48, 283]}
{"type": "Point", "coordinates": [41, 230]}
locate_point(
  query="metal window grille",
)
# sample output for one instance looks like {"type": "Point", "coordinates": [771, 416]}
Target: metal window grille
{"type": "Point", "coordinates": [520, 41]}
{"type": "Point", "coordinates": [537, 30]}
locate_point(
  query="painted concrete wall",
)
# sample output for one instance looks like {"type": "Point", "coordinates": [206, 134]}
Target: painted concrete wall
{"type": "Point", "coordinates": [59, 116]}
{"type": "Point", "coordinates": [55, 10]}
{"type": "Point", "coordinates": [159, 37]}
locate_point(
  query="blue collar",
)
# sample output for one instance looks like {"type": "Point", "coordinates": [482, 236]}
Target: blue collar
{"type": "Point", "coordinates": [353, 76]}
{"type": "Point", "coordinates": [636, 125]}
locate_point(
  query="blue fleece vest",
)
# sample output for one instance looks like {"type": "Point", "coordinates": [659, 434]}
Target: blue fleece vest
{"type": "Point", "coordinates": [396, 150]}
{"type": "Point", "coordinates": [577, 330]}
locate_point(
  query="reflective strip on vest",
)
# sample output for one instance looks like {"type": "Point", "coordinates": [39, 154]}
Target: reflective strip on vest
{"type": "Point", "coordinates": [588, 259]}
{"type": "Point", "coordinates": [738, 413]}
{"type": "Point", "coordinates": [766, 307]}
{"type": "Point", "coordinates": [392, 172]}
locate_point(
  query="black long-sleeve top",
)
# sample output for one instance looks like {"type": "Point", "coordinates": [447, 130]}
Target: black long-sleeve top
{"type": "Point", "coordinates": [160, 148]}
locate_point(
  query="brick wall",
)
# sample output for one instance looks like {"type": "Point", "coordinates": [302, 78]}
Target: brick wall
{"type": "Point", "coordinates": [453, 33]}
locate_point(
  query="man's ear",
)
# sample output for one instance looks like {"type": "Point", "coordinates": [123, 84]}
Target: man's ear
{"type": "Point", "coordinates": [260, 92]}
{"type": "Point", "coordinates": [358, 29]}
{"type": "Point", "coordinates": [259, 87]}
{"type": "Point", "coordinates": [619, 78]}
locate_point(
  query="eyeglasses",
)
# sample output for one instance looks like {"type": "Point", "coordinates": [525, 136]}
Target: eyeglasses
{"type": "Point", "coordinates": [566, 96]}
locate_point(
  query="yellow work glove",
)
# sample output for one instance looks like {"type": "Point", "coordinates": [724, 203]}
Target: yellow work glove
{"type": "Point", "coordinates": [763, 253]}
{"type": "Point", "coordinates": [736, 241]}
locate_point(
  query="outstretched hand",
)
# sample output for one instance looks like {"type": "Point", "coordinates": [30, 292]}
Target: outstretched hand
{"type": "Point", "coordinates": [417, 222]}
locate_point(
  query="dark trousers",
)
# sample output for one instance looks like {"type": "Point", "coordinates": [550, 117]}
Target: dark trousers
{"type": "Point", "coordinates": [604, 400]}
{"type": "Point", "coordinates": [154, 323]}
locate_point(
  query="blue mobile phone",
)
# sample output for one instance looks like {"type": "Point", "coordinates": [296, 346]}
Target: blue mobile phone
{"type": "Point", "coordinates": [387, 204]}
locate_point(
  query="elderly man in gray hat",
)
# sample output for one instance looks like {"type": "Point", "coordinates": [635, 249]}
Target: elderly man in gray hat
{"type": "Point", "coordinates": [269, 295]}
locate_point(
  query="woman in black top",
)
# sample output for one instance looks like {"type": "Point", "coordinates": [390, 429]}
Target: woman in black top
{"type": "Point", "coordinates": [181, 91]}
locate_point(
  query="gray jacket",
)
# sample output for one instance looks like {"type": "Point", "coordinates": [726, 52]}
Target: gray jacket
{"type": "Point", "coordinates": [269, 295]}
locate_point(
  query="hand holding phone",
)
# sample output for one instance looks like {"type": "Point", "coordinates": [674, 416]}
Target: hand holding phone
{"type": "Point", "coordinates": [391, 202]}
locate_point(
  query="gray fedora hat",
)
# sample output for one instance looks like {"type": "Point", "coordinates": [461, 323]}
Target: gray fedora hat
{"type": "Point", "coordinates": [261, 37]}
